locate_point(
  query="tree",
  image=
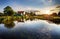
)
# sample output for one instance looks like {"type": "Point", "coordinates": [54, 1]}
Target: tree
{"type": "Point", "coordinates": [59, 13]}
{"type": "Point", "coordinates": [8, 11]}
{"type": "Point", "coordinates": [54, 14]}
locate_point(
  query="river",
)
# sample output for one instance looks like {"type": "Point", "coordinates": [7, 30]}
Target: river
{"type": "Point", "coordinates": [36, 29]}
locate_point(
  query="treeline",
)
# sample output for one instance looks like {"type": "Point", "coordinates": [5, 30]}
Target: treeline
{"type": "Point", "coordinates": [8, 11]}
{"type": "Point", "coordinates": [55, 14]}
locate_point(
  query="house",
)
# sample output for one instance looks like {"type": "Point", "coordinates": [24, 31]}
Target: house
{"type": "Point", "coordinates": [36, 12]}
{"type": "Point", "coordinates": [21, 12]}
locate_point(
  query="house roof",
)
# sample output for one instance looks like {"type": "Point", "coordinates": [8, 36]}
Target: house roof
{"type": "Point", "coordinates": [20, 11]}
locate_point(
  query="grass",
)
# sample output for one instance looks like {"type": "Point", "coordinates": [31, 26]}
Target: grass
{"type": "Point", "coordinates": [9, 19]}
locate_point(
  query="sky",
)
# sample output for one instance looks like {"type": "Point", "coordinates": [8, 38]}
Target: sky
{"type": "Point", "coordinates": [28, 4]}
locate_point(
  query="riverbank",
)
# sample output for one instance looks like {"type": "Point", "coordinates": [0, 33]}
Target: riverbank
{"type": "Point", "coordinates": [4, 19]}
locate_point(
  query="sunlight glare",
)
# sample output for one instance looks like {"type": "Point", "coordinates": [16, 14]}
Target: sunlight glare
{"type": "Point", "coordinates": [47, 11]}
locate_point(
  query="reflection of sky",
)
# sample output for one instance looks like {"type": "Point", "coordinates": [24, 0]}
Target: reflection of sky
{"type": "Point", "coordinates": [35, 25]}
{"type": "Point", "coordinates": [23, 4]}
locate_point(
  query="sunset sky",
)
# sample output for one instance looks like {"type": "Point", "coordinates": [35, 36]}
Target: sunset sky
{"type": "Point", "coordinates": [29, 4]}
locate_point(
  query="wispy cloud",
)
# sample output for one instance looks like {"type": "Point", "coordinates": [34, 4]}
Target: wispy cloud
{"type": "Point", "coordinates": [27, 4]}
{"type": "Point", "coordinates": [47, 2]}
{"type": "Point", "coordinates": [17, 7]}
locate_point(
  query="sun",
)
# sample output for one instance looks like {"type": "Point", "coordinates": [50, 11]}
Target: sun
{"type": "Point", "coordinates": [47, 11]}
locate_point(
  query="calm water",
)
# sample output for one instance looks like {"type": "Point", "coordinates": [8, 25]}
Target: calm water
{"type": "Point", "coordinates": [36, 29]}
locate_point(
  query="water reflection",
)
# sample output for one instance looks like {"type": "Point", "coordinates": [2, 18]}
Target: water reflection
{"type": "Point", "coordinates": [9, 25]}
{"type": "Point", "coordinates": [56, 21]}
{"type": "Point", "coordinates": [23, 20]}
{"type": "Point", "coordinates": [29, 29]}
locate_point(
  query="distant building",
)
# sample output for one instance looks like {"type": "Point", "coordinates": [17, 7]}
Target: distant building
{"type": "Point", "coordinates": [21, 12]}
{"type": "Point", "coordinates": [37, 12]}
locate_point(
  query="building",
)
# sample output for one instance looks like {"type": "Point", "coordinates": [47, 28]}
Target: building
{"type": "Point", "coordinates": [37, 12]}
{"type": "Point", "coordinates": [21, 12]}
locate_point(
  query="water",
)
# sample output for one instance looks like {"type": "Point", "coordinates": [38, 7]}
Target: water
{"type": "Point", "coordinates": [36, 29]}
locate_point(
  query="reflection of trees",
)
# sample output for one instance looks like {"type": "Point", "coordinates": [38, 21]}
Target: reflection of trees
{"type": "Point", "coordinates": [9, 25]}
{"type": "Point", "coordinates": [20, 20]}
{"type": "Point", "coordinates": [8, 22]}
{"type": "Point", "coordinates": [1, 19]}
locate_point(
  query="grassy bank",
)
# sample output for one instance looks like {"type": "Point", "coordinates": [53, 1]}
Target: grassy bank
{"type": "Point", "coordinates": [9, 19]}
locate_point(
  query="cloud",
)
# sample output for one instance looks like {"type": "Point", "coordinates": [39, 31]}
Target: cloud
{"type": "Point", "coordinates": [17, 7]}
{"type": "Point", "coordinates": [58, 7]}
{"type": "Point", "coordinates": [47, 2]}
{"type": "Point", "coordinates": [43, 2]}
{"type": "Point", "coordinates": [55, 9]}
